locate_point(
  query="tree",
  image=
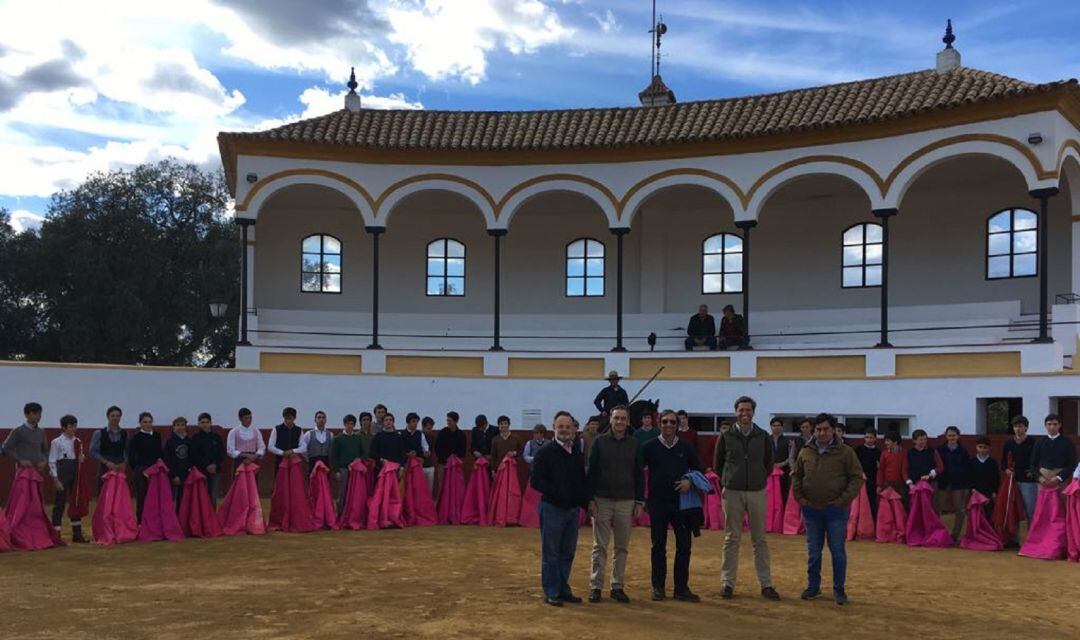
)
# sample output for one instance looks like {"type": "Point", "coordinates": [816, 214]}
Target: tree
{"type": "Point", "coordinates": [125, 265]}
{"type": "Point", "coordinates": [17, 311]}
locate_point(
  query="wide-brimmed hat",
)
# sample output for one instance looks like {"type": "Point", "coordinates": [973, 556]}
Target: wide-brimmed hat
{"type": "Point", "coordinates": [613, 375]}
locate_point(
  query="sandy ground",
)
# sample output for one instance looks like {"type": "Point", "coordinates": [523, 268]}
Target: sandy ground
{"type": "Point", "coordinates": [469, 582]}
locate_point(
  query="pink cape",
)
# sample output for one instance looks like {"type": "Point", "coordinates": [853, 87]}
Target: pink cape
{"type": "Point", "coordinates": [417, 504]}
{"type": "Point", "coordinates": [452, 493]}
{"type": "Point", "coordinates": [474, 510]}
{"type": "Point", "coordinates": [793, 522]}
{"type": "Point", "coordinates": [924, 528]}
{"type": "Point", "coordinates": [860, 524]}
{"type": "Point", "coordinates": [1072, 521]}
{"type": "Point", "coordinates": [714, 503]}
{"type": "Point", "coordinates": [384, 509]}
{"type": "Point", "coordinates": [197, 518]}
{"type": "Point", "coordinates": [323, 513]}
{"type": "Point", "coordinates": [31, 529]}
{"type": "Point", "coordinates": [505, 505]}
{"type": "Point", "coordinates": [891, 517]}
{"type": "Point", "coordinates": [5, 533]}
{"type": "Point", "coordinates": [241, 512]}
{"type": "Point", "coordinates": [980, 534]}
{"type": "Point", "coordinates": [289, 511]}
{"type": "Point", "coordinates": [774, 502]}
{"type": "Point", "coordinates": [1046, 537]}
{"type": "Point", "coordinates": [159, 510]}
{"type": "Point", "coordinates": [114, 521]}
{"type": "Point", "coordinates": [530, 505]}
{"type": "Point", "coordinates": [354, 512]}
{"type": "Point", "coordinates": [643, 520]}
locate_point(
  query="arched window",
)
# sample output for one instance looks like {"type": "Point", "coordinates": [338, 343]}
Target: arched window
{"type": "Point", "coordinates": [862, 256]}
{"type": "Point", "coordinates": [320, 266]}
{"type": "Point", "coordinates": [585, 268]}
{"type": "Point", "coordinates": [445, 268]}
{"type": "Point", "coordinates": [722, 264]}
{"type": "Point", "coordinates": [1012, 244]}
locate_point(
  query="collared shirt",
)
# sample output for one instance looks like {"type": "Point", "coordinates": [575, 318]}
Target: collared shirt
{"type": "Point", "coordinates": [822, 448]}
{"type": "Point", "coordinates": [95, 443]}
{"type": "Point", "coordinates": [674, 441]}
{"type": "Point", "coordinates": [981, 458]}
{"type": "Point", "coordinates": [569, 446]}
{"type": "Point", "coordinates": [243, 439]}
{"type": "Point", "coordinates": [61, 448]}
{"type": "Point", "coordinates": [321, 436]}
{"type": "Point", "coordinates": [424, 446]}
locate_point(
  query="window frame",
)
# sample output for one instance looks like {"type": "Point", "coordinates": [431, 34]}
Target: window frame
{"type": "Point", "coordinates": [863, 265]}
{"type": "Point", "coordinates": [1011, 233]}
{"type": "Point", "coordinates": [445, 257]}
{"type": "Point", "coordinates": [723, 271]}
{"type": "Point", "coordinates": [322, 261]}
{"type": "Point", "coordinates": [584, 270]}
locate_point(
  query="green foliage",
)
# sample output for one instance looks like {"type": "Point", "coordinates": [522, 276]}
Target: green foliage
{"type": "Point", "coordinates": [123, 270]}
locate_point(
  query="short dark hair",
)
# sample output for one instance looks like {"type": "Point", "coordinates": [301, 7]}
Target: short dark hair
{"type": "Point", "coordinates": [539, 428]}
{"type": "Point", "coordinates": [682, 412]}
{"type": "Point", "coordinates": [742, 399]}
{"type": "Point", "coordinates": [1052, 416]}
{"type": "Point", "coordinates": [728, 307]}
{"type": "Point", "coordinates": [982, 440]}
{"type": "Point", "coordinates": [502, 419]}
{"type": "Point", "coordinates": [31, 407]}
{"type": "Point", "coordinates": [893, 436]}
{"type": "Point", "coordinates": [775, 421]}
{"type": "Point", "coordinates": [453, 415]}
{"type": "Point", "coordinates": [620, 407]}
{"type": "Point", "coordinates": [806, 421]}
{"type": "Point", "coordinates": [389, 415]}
{"type": "Point", "coordinates": [952, 427]}
{"type": "Point", "coordinates": [1020, 420]}
{"type": "Point", "coordinates": [481, 420]}
{"type": "Point", "coordinates": [562, 412]}
{"type": "Point", "coordinates": [320, 411]}
{"type": "Point", "coordinates": [365, 414]}
{"type": "Point", "coordinates": [593, 419]}
{"type": "Point", "coordinates": [204, 416]}
{"type": "Point", "coordinates": [380, 406]}
{"type": "Point", "coordinates": [427, 420]}
{"type": "Point", "coordinates": [244, 411]}
{"type": "Point", "coordinates": [918, 433]}
{"type": "Point", "coordinates": [826, 418]}
{"type": "Point", "coordinates": [870, 431]}
{"type": "Point", "coordinates": [288, 412]}
{"type": "Point", "coordinates": [412, 415]}
{"type": "Point", "coordinates": [348, 418]}
{"type": "Point", "coordinates": [145, 414]}
{"type": "Point", "coordinates": [68, 421]}
{"type": "Point", "coordinates": [114, 408]}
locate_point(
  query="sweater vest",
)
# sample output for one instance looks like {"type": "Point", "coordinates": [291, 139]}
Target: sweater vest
{"type": "Point", "coordinates": [112, 451]}
{"type": "Point", "coordinates": [316, 449]}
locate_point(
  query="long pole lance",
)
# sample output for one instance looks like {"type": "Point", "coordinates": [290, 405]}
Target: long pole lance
{"type": "Point", "coordinates": [642, 390]}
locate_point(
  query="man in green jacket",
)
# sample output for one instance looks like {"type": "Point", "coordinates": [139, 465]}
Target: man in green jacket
{"type": "Point", "coordinates": [826, 479]}
{"type": "Point", "coordinates": [743, 458]}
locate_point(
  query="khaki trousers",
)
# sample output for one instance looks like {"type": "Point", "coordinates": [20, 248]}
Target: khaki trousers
{"type": "Point", "coordinates": [611, 515]}
{"type": "Point", "coordinates": [736, 503]}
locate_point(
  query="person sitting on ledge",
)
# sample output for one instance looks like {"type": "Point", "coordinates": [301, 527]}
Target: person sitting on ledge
{"type": "Point", "coordinates": [701, 332]}
{"type": "Point", "coordinates": [732, 330]}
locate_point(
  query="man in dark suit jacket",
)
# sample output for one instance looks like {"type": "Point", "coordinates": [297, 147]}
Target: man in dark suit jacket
{"type": "Point", "coordinates": [701, 331]}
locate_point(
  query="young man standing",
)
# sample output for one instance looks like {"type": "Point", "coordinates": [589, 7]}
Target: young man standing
{"type": "Point", "coordinates": [415, 442]}
{"type": "Point", "coordinates": [743, 458]}
{"type": "Point", "coordinates": [367, 433]}
{"type": "Point", "coordinates": [783, 453]}
{"type": "Point", "coordinates": [921, 462]}
{"type": "Point", "coordinates": [26, 443]}
{"type": "Point", "coordinates": [387, 445]}
{"type": "Point", "coordinates": [869, 455]}
{"type": "Point", "coordinates": [616, 491]}
{"type": "Point", "coordinates": [345, 448]}
{"type": "Point", "coordinates": [207, 454]}
{"type": "Point", "coordinates": [108, 446]}
{"type": "Point", "coordinates": [985, 476]}
{"type": "Point", "coordinates": [450, 441]}
{"type": "Point", "coordinates": [558, 474]}
{"type": "Point", "coordinates": [954, 483]}
{"type": "Point", "coordinates": [1016, 462]}
{"type": "Point", "coordinates": [143, 451]}
{"type": "Point", "coordinates": [177, 456]}
{"type": "Point", "coordinates": [244, 443]}
{"type": "Point", "coordinates": [317, 443]}
{"type": "Point", "coordinates": [504, 444]}
{"type": "Point", "coordinates": [65, 456]}
{"type": "Point", "coordinates": [482, 434]}
{"type": "Point", "coordinates": [532, 447]}
{"type": "Point", "coordinates": [285, 438]}
{"type": "Point", "coordinates": [1054, 457]}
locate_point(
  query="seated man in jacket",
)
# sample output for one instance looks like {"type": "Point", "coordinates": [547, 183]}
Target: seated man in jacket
{"type": "Point", "coordinates": [701, 332]}
{"type": "Point", "coordinates": [732, 330]}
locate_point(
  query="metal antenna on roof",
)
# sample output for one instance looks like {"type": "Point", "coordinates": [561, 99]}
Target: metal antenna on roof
{"type": "Point", "coordinates": [949, 37]}
{"type": "Point", "coordinates": [658, 29]}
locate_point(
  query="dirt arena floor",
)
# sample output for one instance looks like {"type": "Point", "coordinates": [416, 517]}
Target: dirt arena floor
{"type": "Point", "coordinates": [470, 582]}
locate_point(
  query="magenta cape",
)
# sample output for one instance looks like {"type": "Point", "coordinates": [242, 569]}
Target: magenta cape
{"type": "Point", "coordinates": [530, 508]}
{"type": "Point", "coordinates": [159, 520]}
{"type": "Point", "coordinates": [891, 517]}
{"type": "Point", "coordinates": [241, 512]}
{"type": "Point", "coordinates": [1046, 537]}
{"type": "Point", "coordinates": [452, 493]}
{"type": "Point", "coordinates": [384, 508]}
{"type": "Point", "coordinates": [474, 508]}
{"type": "Point", "coordinates": [924, 528]}
{"type": "Point", "coordinates": [31, 529]}
{"type": "Point", "coordinates": [5, 533]}
{"type": "Point", "coordinates": [505, 505]}
{"type": "Point", "coordinates": [860, 524]}
{"type": "Point", "coordinates": [289, 511]}
{"type": "Point", "coordinates": [774, 502]}
{"type": "Point", "coordinates": [793, 522]}
{"type": "Point", "coordinates": [197, 518]}
{"type": "Point", "coordinates": [354, 512]}
{"type": "Point", "coordinates": [1072, 521]}
{"type": "Point", "coordinates": [323, 513]}
{"type": "Point", "coordinates": [980, 534]}
{"type": "Point", "coordinates": [714, 503]}
{"type": "Point", "coordinates": [417, 504]}
{"type": "Point", "coordinates": [643, 520]}
{"type": "Point", "coordinates": [114, 521]}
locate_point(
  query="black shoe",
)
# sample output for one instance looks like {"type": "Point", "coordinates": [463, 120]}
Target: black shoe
{"type": "Point", "coordinates": [555, 602]}
{"type": "Point", "coordinates": [619, 595]}
{"type": "Point", "coordinates": [594, 595]}
{"type": "Point", "coordinates": [687, 596]}
{"type": "Point", "coordinates": [728, 593]}
{"type": "Point", "coordinates": [658, 594]}
{"type": "Point", "coordinates": [810, 594]}
{"type": "Point", "coordinates": [770, 594]}
{"type": "Point", "coordinates": [570, 598]}
{"type": "Point", "coordinates": [840, 596]}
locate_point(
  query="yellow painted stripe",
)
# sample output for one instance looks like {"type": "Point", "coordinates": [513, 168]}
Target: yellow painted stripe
{"type": "Point", "coordinates": [435, 366]}
{"type": "Point", "coordinates": [941, 365]}
{"type": "Point", "coordinates": [697, 368]}
{"type": "Point", "coordinates": [810, 367]}
{"type": "Point", "coordinates": [557, 368]}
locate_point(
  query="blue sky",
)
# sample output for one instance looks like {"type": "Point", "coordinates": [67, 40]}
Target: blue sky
{"type": "Point", "coordinates": [96, 86]}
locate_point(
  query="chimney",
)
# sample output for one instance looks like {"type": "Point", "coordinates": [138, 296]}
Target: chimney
{"type": "Point", "coordinates": [352, 99]}
{"type": "Point", "coordinates": [948, 58]}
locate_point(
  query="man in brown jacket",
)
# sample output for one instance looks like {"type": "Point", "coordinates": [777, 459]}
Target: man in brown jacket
{"type": "Point", "coordinates": [826, 479]}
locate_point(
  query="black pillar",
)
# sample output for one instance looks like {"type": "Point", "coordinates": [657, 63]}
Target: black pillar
{"type": "Point", "coordinates": [497, 235]}
{"type": "Point", "coordinates": [244, 224]}
{"type": "Point", "coordinates": [1044, 196]}
{"type": "Point", "coordinates": [883, 215]}
{"type": "Point", "coordinates": [619, 233]}
{"type": "Point", "coordinates": [375, 233]}
{"type": "Point", "coordinates": [746, 226]}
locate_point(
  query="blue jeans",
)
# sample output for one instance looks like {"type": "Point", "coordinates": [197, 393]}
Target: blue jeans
{"type": "Point", "coordinates": [558, 542]}
{"type": "Point", "coordinates": [1029, 495]}
{"type": "Point", "coordinates": [830, 522]}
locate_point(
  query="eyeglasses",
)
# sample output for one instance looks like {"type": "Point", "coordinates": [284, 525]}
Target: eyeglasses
{"type": "Point", "coordinates": [669, 422]}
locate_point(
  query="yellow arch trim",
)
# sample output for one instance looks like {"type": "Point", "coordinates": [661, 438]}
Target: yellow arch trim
{"type": "Point", "coordinates": [1068, 144]}
{"type": "Point", "coordinates": [1040, 172]}
{"type": "Point", "coordinates": [688, 171]}
{"type": "Point", "coordinates": [553, 177]}
{"type": "Point", "coordinates": [349, 182]}
{"type": "Point", "coordinates": [424, 177]}
{"type": "Point", "coordinates": [861, 166]}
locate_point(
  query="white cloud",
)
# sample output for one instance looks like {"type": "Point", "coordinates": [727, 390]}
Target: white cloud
{"type": "Point", "coordinates": [22, 220]}
{"type": "Point", "coordinates": [319, 101]}
{"type": "Point", "coordinates": [606, 22]}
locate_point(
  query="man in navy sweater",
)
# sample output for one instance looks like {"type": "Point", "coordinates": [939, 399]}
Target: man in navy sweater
{"type": "Point", "coordinates": [1054, 457]}
{"type": "Point", "coordinates": [558, 473]}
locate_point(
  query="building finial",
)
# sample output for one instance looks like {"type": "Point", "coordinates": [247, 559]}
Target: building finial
{"type": "Point", "coordinates": [948, 58]}
{"type": "Point", "coordinates": [352, 84]}
{"type": "Point", "coordinates": [352, 99]}
{"type": "Point", "coordinates": [949, 37]}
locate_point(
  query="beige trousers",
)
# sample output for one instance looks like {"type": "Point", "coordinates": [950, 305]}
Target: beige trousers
{"type": "Point", "coordinates": [736, 503]}
{"type": "Point", "coordinates": [611, 516]}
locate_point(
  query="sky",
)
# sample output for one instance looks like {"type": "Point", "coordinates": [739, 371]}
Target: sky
{"type": "Point", "coordinates": [109, 84]}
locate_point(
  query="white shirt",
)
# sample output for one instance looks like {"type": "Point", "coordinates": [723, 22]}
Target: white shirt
{"type": "Point", "coordinates": [61, 448]}
{"type": "Point", "coordinates": [320, 436]}
{"type": "Point", "coordinates": [237, 436]}
{"type": "Point", "coordinates": [273, 448]}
